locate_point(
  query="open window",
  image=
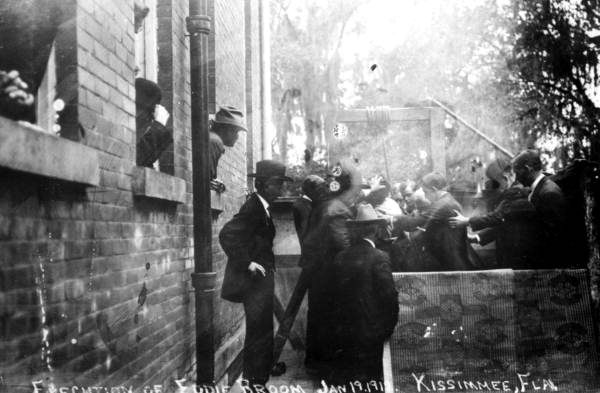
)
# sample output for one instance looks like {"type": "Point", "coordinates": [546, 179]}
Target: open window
{"type": "Point", "coordinates": [146, 36]}
{"type": "Point", "coordinates": [153, 136]}
{"type": "Point", "coordinates": [37, 41]}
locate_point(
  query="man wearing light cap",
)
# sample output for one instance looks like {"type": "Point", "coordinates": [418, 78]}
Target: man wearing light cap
{"type": "Point", "coordinates": [224, 131]}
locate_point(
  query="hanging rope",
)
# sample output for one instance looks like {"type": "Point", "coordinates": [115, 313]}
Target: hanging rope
{"type": "Point", "coordinates": [379, 117]}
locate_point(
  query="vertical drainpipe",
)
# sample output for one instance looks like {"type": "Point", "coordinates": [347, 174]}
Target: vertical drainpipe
{"type": "Point", "coordinates": [203, 278]}
{"type": "Point", "coordinates": [265, 68]}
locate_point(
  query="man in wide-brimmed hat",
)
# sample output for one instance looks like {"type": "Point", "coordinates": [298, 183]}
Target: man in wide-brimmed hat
{"type": "Point", "coordinates": [247, 240]}
{"type": "Point", "coordinates": [225, 128]}
{"type": "Point", "coordinates": [366, 302]}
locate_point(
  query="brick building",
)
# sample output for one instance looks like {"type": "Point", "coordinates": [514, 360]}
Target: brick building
{"type": "Point", "coordinates": [96, 252]}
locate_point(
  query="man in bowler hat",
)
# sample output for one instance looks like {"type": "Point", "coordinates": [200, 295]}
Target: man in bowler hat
{"type": "Point", "coordinates": [248, 243]}
{"type": "Point", "coordinates": [224, 131]}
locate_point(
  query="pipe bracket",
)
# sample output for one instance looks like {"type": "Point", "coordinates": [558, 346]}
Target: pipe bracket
{"type": "Point", "coordinates": [198, 24]}
{"type": "Point", "coordinates": [204, 281]}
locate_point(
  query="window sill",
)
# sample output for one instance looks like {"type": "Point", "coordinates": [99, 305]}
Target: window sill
{"type": "Point", "coordinates": [147, 182]}
{"type": "Point", "coordinates": [27, 148]}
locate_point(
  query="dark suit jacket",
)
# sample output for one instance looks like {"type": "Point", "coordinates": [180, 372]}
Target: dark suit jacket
{"type": "Point", "coordinates": [153, 140]}
{"type": "Point", "coordinates": [216, 148]}
{"type": "Point", "coordinates": [450, 247]}
{"type": "Point", "coordinates": [365, 296]}
{"type": "Point", "coordinates": [512, 224]}
{"type": "Point", "coordinates": [248, 237]}
{"type": "Point", "coordinates": [550, 206]}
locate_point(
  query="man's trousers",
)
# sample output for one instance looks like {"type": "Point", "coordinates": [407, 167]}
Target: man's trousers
{"type": "Point", "coordinates": [258, 345]}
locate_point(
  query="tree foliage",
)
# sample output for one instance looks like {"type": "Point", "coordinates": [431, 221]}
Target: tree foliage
{"type": "Point", "coordinates": [554, 63]}
{"type": "Point", "coordinates": [521, 71]}
{"type": "Point", "coordinates": [456, 55]}
{"type": "Point", "coordinates": [306, 36]}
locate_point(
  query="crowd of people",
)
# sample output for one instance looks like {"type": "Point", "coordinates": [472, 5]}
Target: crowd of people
{"type": "Point", "coordinates": [353, 235]}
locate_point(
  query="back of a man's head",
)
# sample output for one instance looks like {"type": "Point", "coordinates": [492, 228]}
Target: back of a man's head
{"type": "Point", "coordinates": [434, 180]}
{"type": "Point", "coordinates": [147, 94]}
{"type": "Point", "coordinates": [530, 158]}
{"type": "Point", "coordinates": [313, 187]}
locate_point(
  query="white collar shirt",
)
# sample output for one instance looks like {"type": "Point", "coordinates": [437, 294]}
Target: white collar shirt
{"type": "Point", "coordinates": [369, 241]}
{"type": "Point", "coordinates": [534, 185]}
{"type": "Point", "coordinates": [264, 203]}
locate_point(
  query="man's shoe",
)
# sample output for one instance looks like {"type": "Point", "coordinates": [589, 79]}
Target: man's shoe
{"type": "Point", "coordinates": [278, 369]}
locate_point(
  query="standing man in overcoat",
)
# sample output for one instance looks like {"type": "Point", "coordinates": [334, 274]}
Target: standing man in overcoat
{"type": "Point", "coordinates": [249, 275]}
{"type": "Point", "coordinates": [549, 202]}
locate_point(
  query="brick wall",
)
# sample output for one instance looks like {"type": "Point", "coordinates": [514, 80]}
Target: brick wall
{"type": "Point", "coordinates": [234, 79]}
{"type": "Point", "coordinates": [253, 83]}
{"type": "Point", "coordinates": [74, 263]}
{"type": "Point", "coordinates": [77, 262]}
{"type": "Point", "coordinates": [230, 89]}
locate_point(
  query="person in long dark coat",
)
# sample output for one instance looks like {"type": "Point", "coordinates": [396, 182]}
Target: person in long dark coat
{"type": "Point", "coordinates": [366, 304]}
{"type": "Point", "coordinates": [247, 240]}
{"type": "Point", "coordinates": [327, 237]}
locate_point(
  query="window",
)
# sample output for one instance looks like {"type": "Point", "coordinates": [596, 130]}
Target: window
{"type": "Point", "coordinates": [153, 137]}
{"type": "Point", "coordinates": [146, 49]}
{"type": "Point", "coordinates": [46, 108]}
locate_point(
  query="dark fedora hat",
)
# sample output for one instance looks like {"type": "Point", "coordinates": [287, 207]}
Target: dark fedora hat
{"type": "Point", "coordinates": [230, 115]}
{"type": "Point", "coordinates": [270, 168]}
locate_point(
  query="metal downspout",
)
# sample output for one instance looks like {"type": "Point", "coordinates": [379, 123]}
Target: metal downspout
{"type": "Point", "coordinates": [203, 278]}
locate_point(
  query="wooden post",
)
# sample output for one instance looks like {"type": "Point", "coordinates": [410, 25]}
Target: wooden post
{"type": "Point", "coordinates": [473, 128]}
{"type": "Point", "coordinates": [438, 142]}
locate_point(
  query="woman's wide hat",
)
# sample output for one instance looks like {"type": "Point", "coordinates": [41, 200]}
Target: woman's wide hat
{"type": "Point", "coordinates": [366, 215]}
{"type": "Point", "coordinates": [270, 168]}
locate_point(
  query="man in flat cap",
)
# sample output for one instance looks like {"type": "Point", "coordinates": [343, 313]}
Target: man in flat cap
{"type": "Point", "coordinates": [248, 243]}
{"type": "Point", "coordinates": [228, 122]}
